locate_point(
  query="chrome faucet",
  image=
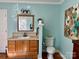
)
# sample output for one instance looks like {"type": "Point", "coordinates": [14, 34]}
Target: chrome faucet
{"type": "Point", "coordinates": [25, 35]}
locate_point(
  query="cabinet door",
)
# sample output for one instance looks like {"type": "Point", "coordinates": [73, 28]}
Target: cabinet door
{"type": "Point", "coordinates": [33, 45]}
{"type": "Point", "coordinates": [11, 46]}
{"type": "Point", "coordinates": [33, 55]}
{"type": "Point", "coordinates": [19, 46]}
{"type": "Point", "coordinates": [26, 45]}
{"type": "Point", "coordinates": [75, 51]}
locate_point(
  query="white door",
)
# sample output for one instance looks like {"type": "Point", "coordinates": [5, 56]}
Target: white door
{"type": "Point", "coordinates": [3, 30]}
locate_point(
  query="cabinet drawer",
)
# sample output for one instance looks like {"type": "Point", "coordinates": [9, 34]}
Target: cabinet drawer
{"type": "Point", "coordinates": [33, 49]}
{"type": "Point", "coordinates": [11, 48]}
{"type": "Point", "coordinates": [34, 55]}
{"type": "Point", "coordinates": [31, 54]}
{"type": "Point", "coordinates": [33, 44]}
{"type": "Point", "coordinates": [11, 45]}
{"type": "Point", "coordinates": [11, 42]}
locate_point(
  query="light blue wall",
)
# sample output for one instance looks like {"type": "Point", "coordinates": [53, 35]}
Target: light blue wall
{"type": "Point", "coordinates": [49, 13]}
{"type": "Point", "coordinates": [66, 44]}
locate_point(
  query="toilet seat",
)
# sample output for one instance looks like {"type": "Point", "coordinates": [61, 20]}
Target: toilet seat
{"type": "Point", "coordinates": [50, 50]}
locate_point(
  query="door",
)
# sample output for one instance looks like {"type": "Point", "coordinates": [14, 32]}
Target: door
{"type": "Point", "coordinates": [3, 30]}
{"type": "Point", "coordinates": [19, 45]}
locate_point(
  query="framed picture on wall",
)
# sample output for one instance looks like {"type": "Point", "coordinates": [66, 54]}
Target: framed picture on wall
{"type": "Point", "coordinates": [71, 22]}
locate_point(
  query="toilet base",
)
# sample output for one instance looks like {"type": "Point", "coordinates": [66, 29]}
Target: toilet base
{"type": "Point", "coordinates": [50, 56]}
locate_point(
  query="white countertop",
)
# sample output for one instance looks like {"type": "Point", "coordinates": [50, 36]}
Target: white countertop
{"type": "Point", "coordinates": [24, 38]}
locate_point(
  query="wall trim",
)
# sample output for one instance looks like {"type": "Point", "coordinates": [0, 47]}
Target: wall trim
{"type": "Point", "coordinates": [62, 55]}
{"type": "Point", "coordinates": [30, 2]}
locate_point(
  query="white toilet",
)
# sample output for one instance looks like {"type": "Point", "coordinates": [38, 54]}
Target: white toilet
{"type": "Point", "coordinates": [50, 49]}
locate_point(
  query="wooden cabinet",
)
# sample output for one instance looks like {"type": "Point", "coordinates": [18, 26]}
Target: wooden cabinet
{"type": "Point", "coordinates": [33, 48]}
{"type": "Point", "coordinates": [19, 45]}
{"type": "Point", "coordinates": [33, 45]}
{"type": "Point", "coordinates": [23, 48]}
{"type": "Point", "coordinates": [75, 50]}
{"type": "Point", "coordinates": [11, 46]}
{"type": "Point", "coordinates": [26, 45]}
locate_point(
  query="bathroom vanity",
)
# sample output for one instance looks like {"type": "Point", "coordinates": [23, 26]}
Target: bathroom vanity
{"type": "Point", "coordinates": [23, 47]}
{"type": "Point", "coordinates": [24, 42]}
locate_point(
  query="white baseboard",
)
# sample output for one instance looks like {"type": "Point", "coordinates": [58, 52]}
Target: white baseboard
{"type": "Point", "coordinates": [39, 58]}
{"type": "Point", "coordinates": [61, 54]}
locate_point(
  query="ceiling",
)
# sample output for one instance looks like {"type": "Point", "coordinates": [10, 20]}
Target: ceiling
{"type": "Point", "coordinates": [34, 1]}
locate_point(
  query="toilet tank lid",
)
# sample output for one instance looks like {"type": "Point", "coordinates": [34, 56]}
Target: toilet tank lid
{"type": "Point", "coordinates": [51, 49]}
{"type": "Point", "coordinates": [49, 37]}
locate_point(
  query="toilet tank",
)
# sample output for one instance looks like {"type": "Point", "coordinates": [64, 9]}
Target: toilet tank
{"type": "Point", "coordinates": [49, 41]}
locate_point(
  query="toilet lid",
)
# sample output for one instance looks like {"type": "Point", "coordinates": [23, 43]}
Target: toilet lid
{"type": "Point", "coordinates": [50, 49]}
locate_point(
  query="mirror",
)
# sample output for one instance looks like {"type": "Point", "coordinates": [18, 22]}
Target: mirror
{"type": "Point", "coordinates": [25, 22]}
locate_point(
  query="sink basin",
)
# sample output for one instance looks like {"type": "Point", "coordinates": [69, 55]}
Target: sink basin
{"type": "Point", "coordinates": [23, 37]}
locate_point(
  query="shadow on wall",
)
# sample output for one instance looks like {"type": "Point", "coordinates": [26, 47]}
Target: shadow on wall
{"type": "Point", "coordinates": [47, 33]}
